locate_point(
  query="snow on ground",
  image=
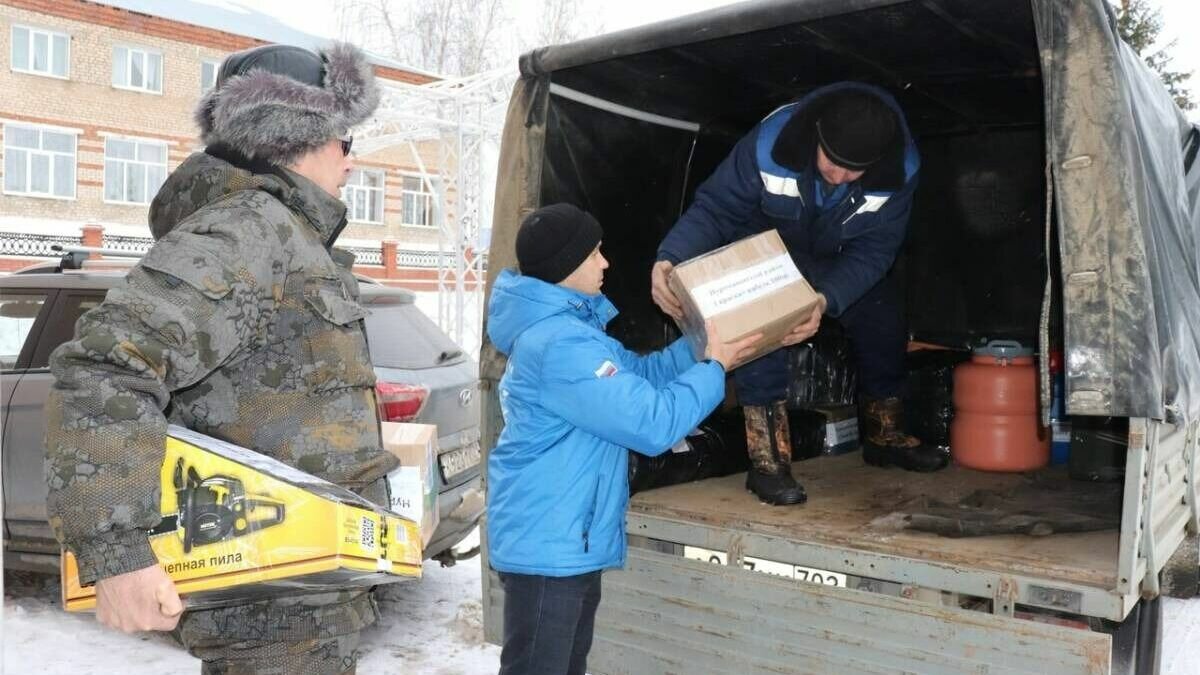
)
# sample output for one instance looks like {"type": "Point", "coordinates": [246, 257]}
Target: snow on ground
{"type": "Point", "coordinates": [1181, 637]}
{"type": "Point", "coordinates": [432, 627]}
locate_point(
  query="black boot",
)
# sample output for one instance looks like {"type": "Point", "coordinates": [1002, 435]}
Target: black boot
{"type": "Point", "coordinates": [886, 443]}
{"type": "Point", "coordinates": [770, 450]}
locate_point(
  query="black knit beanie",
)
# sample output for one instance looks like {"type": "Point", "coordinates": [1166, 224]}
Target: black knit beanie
{"type": "Point", "coordinates": [855, 129]}
{"type": "Point", "coordinates": [554, 240]}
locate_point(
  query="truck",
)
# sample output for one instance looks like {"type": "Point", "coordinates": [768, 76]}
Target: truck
{"type": "Point", "coordinates": [1059, 204]}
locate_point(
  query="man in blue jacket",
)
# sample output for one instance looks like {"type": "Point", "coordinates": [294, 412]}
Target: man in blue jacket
{"type": "Point", "coordinates": [835, 173]}
{"type": "Point", "coordinates": [573, 400]}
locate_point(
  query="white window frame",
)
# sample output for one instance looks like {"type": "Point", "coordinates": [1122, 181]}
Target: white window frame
{"type": "Point", "coordinates": [349, 190]}
{"type": "Point", "coordinates": [426, 192]}
{"type": "Point", "coordinates": [146, 52]}
{"type": "Point", "coordinates": [125, 172]}
{"type": "Point", "coordinates": [50, 35]}
{"type": "Point", "coordinates": [29, 153]}
{"type": "Point", "coordinates": [216, 67]}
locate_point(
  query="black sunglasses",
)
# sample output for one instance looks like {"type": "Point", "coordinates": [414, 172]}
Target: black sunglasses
{"type": "Point", "coordinates": [346, 142]}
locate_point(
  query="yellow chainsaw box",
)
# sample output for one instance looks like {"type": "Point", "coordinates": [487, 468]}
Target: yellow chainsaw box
{"type": "Point", "coordinates": [238, 526]}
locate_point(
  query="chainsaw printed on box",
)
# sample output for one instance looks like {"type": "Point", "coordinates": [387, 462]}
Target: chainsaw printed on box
{"type": "Point", "coordinates": [215, 509]}
{"type": "Point", "coordinates": [235, 531]}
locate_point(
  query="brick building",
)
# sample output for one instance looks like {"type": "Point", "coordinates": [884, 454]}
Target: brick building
{"type": "Point", "coordinates": [97, 110]}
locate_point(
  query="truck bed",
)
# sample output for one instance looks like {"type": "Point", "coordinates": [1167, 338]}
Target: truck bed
{"type": "Point", "coordinates": [846, 497]}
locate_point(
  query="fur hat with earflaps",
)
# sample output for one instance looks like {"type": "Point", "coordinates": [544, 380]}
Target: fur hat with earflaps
{"type": "Point", "coordinates": [277, 102]}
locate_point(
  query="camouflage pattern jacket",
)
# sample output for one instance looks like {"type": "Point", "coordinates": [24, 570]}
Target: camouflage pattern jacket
{"type": "Point", "coordinates": [238, 324]}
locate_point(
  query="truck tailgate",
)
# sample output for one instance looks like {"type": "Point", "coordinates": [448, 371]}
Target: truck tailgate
{"type": "Point", "coordinates": [666, 614]}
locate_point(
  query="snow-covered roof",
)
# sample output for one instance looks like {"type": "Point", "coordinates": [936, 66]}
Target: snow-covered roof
{"type": "Point", "coordinates": [238, 19]}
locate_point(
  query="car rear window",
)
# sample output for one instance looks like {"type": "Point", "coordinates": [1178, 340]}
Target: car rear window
{"type": "Point", "coordinates": [18, 312]}
{"type": "Point", "coordinates": [60, 326]}
{"type": "Point", "coordinates": [401, 336]}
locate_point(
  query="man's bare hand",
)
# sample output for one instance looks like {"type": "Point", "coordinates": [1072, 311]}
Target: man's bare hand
{"type": "Point", "coordinates": [661, 292]}
{"type": "Point", "coordinates": [729, 354]}
{"type": "Point", "coordinates": [809, 328]}
{"type": "Point", "coordinates": [138, 601]}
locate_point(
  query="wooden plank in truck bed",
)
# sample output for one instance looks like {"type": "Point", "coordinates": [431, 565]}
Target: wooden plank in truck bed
{"type": "Point", "coordinates": [845, 496]}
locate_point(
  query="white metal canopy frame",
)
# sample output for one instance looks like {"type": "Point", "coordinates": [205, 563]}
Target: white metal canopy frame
{"type": "Point", "coordinates": [464, 116]}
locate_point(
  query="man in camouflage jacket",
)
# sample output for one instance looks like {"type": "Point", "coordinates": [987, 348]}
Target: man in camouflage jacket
{"type": "Point", "coordinates": [241, 323]}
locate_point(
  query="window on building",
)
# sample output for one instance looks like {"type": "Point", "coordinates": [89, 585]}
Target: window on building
{"type": "Point", "coordinates": [363, 195]}
{"type": "Point", "coordinates": [208, 75]}
{"type": "Point", "coordinates": [39, 161]}
{"type": "Point", "coordinates": [138, 69]}
{"type": "Point", "coordinates": [417, 201]}
{"type": "Point", "coordinates": [41, 52]}
{"type": "Point", "coordinates": [134, 170]}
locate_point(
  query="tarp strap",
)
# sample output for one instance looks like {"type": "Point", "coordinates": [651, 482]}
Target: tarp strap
{"type": "Point", "coordinates": [618, 109]}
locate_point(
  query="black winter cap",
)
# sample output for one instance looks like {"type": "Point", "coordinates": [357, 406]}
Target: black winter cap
{"type": "Point", "coordinates": [855, 129]}
{"type": "Point", "coordinates": [295, 62]}
{"type": "Point", "coordinates": [555, 240]}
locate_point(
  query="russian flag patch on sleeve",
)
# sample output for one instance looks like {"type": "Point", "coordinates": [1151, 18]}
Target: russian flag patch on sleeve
{"type": "Point", "coordinates": [606, 369]}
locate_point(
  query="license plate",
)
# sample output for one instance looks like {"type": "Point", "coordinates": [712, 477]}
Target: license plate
{"type": "Point", "coordinates": [797, 572]}
{"type": "Point", "coordinates": [458, 460]}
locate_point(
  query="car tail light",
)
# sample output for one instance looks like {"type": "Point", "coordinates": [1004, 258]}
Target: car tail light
{"type": "Point", "coordinates": [400, 402]}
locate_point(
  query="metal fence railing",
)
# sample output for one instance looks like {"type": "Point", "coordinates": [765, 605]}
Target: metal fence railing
{"type": "Point", "coordinates": [34, 245]}
{"type": "Point", "coordinates": [129, 244]}
{"type": "Point", "coordinates": [38, 245]}
{"type": "Point", "coordinates": [364, 255]}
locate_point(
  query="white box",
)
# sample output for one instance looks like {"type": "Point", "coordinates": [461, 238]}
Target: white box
{"type": "Point", "coordinates": [413, 485]}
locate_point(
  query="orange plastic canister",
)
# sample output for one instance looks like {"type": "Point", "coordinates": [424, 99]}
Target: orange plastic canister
{"type": "Point", "coordinates": [996, 425]}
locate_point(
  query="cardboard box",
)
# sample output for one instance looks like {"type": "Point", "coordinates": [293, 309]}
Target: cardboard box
{"type": "Point", "coordinates": [750, 286]}
{"type": "Point", "coordinates": [841, 429]}
{"type": "Point", "coordinates": [238, 525]}
{"type": "Point", "coordinates": [413, 484]}
{"type": "Point", "coordinates": [824, 430]}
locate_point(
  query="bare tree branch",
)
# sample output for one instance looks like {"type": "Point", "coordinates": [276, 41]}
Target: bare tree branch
{"type": "Point", "coordinates": [559, 22]}
{"type": "Point", "coordinates": [451, 37]}
{"type": "Point", "coordinates": [460, 37]}
{"type": "Point", "coordinates": [1140, 24]}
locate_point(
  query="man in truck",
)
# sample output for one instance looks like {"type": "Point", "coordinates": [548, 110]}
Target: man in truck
{"type": "Point", "coordinates": [835, 173]}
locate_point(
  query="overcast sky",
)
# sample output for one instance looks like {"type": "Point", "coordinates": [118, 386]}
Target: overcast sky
{"type": "Point", "coordinates": [317, 16]}
{"type": "Point", "coordinates": [1181, 18]}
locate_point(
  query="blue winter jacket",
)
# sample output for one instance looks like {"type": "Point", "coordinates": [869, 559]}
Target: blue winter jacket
{"type": "Point", "coordinates": [770, 181]}
{"type": "Point", "coordinates": [573, 400]}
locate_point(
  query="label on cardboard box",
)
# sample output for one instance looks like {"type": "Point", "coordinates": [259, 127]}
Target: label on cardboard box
{"type": "Point", "coordinates": [841, 435]}
{"type": "Point", "coordinates": [745, 285]}
{"type": "Point", "coordinates": [407, 493]}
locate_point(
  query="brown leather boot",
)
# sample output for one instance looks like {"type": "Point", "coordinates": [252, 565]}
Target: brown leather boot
{"type": "Point", "coordinates": [886, 443]}
{"type": "Point", "coordinates": [770, 448]}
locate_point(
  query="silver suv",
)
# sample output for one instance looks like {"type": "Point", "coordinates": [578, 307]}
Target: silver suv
{"type": "Point", "coordinates": [422, 377]}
